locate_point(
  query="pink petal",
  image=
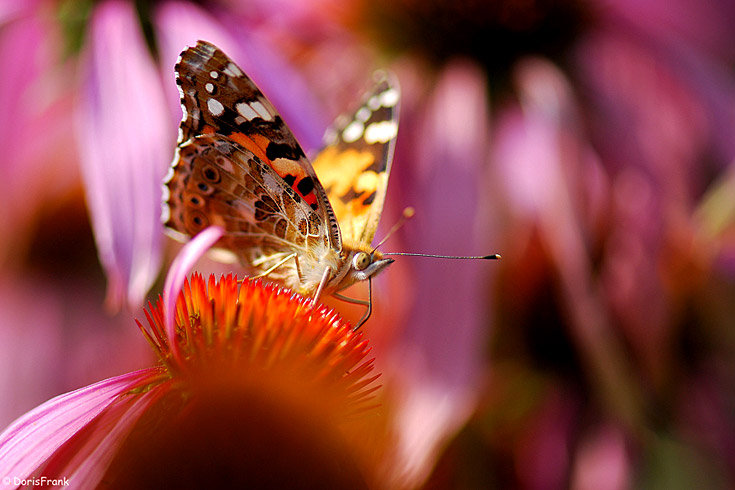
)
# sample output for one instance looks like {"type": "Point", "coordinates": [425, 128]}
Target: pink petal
{"type": "Point", "coordinates": [540, 160]}
{"type": "Point", "coordinates": [125, 142]}
{"type": "Point", "coordinates": [33, 438]}
{"type": "Point", "coordinates": [543, 445]}
{"type": "Point", "coordinates": [181, 266]}
{"type": "Point", "coordinates": [446, 185]}
{"type": "Point", "coordinates": [89, 458]}
{"type": "Point", "coordinates": [441, 350]}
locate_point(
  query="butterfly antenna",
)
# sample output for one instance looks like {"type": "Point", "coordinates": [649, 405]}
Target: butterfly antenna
{"type": "Point", "coordinates": [462, 257]}
{"type": "Point", "coordinates": [408, 213]}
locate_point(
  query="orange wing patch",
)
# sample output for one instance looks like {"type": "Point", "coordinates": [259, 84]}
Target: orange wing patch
{"type": "Point", "coordinates": [352, 189]}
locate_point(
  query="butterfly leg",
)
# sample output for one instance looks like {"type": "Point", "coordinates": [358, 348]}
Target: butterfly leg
{"type": "Point", "coordinates": [322, 283]}
{"type": "Point", "coordinates": [276, 266]}
{"type": "Point", "coordinates": [298, 268]}
{"type": "Point", "coordinates": [368, 303]}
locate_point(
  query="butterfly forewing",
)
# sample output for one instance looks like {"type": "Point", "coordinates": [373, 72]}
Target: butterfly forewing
{"type": "Point", "coordinates": [354, 164]}
{"type": "Point", "coordinates": [218, 98]}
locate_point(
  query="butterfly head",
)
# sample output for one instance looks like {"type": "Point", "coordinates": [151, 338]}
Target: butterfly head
{"type": "Point", "coordinates": [360, 265]}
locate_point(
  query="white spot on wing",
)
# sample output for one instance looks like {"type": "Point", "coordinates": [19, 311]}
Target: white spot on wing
{"type": "Point", "coordinates": [381, 132]}
{"type": "Point", "coordinates": [353, 131]}
{"type": "Point", "coordinates": [165, 211]}
{"type": "Point", "coordinates": [170, 172]}
{"type": "Point", "coordinates": [264, 113]}
{"type": "Point", "coordinates": [233, 70]}
{"type": "Point", "coordinates": [389, 98]}
{"type": "Point", "coordinates": [363, 114]}
{"type": "Point", "coordinates": [177, 235]}
{"type": "Point", "coordinates": [182, 96]}
{"type": "Point", "coordinates": [246, 111]}
{"type": "Point", "coordinates": [341, 120]}
{"type": "Point", "coordinates": [226, 165]}
{"type": "Point", "coordinates": [215, 107]}
{"type": "Point", "coordinates": [330, 136]}
{"type": "Point", "coordinates": [209, 87]}
{"type": "Point", "coordinates": [270, 182]}
{"type": "Point", "coordinates": [214, 75]}
{"type": "Point", "coordinates": [373, 103]}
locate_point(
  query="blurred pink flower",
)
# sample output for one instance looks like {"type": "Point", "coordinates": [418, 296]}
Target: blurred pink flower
{"type": "Point", "coordinates": [48, 346]}
{"type": "Point", "coordinates": [603, 460]}
{"type": "Point", "coordinates": [36, 102]}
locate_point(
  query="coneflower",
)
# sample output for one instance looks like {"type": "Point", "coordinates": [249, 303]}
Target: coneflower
{"type": "Point", "coordinates": [256, 387]}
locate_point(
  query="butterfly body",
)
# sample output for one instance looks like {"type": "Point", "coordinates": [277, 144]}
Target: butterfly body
{"type": "Point", "coordinates": [307, 226]}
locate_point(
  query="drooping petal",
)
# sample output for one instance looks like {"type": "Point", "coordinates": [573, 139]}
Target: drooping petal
{"type": "Point", "coordinates": [32, 439]}
{"type": "Point", "coordinates": [125, 143]}
{"type": "Point", "coordinates": [181, 266]}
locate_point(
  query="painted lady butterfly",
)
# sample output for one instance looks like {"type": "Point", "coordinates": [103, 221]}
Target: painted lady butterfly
{"type": "Point", "coordinates": [237, 165]}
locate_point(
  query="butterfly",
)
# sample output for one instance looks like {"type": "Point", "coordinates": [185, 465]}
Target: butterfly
{"type": "Point", "coordinates": [307, 225]}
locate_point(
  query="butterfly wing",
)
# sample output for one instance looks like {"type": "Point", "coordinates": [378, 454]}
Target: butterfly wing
{"type": "Point", "coordinates": [355, 163]}
{"type": "Point", "coordinates": [219, 182]}
{"type": "Point", "coordinates": [218, 98]}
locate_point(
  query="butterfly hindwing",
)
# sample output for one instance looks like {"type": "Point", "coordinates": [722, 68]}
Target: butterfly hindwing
{"type": "Point", "coordinates": [218, 98]}
{"type": "Point", "coordinates": [221, 183]}
{"type": "Point", "coordinates": [354, 164]}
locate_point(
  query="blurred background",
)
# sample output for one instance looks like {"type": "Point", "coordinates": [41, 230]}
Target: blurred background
{"type": "Point", "coordinates": [590, 143]}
